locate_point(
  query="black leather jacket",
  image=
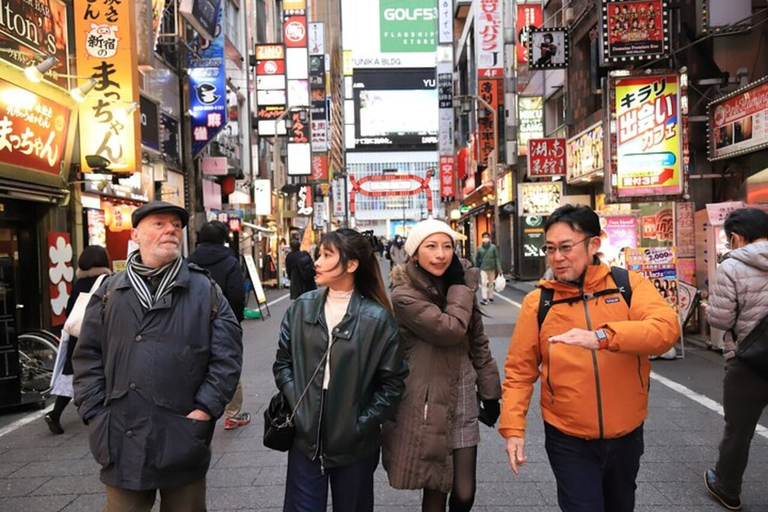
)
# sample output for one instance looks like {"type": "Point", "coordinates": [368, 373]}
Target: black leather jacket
{"type": "Point", "coordinates": [343, 425]}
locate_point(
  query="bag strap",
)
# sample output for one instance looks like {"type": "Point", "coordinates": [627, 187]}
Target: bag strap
{"type": "Point", "coordinates": [309, 384]}
{"type": "Point", "coordinates": [545, 302]}
{"type": "Point", "coordinates": [621, 278]}
{"type": "Point", "coordinates": [98, 282]}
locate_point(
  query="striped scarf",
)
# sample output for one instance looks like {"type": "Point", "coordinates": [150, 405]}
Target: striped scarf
{"type": "Point", "coordinates": [137, 270]}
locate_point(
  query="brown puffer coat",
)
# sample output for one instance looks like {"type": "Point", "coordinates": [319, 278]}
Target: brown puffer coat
{"type": "Point", "coordinates": [436, 329]}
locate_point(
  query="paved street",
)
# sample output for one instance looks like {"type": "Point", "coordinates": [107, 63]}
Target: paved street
{"type": "Point", "coordinates": [40, 472]}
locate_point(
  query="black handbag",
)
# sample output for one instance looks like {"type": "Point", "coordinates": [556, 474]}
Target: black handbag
{"type": "Point", "coordinates": [279, 429]}
{"type": "Point", "coordinates": [753, 350]}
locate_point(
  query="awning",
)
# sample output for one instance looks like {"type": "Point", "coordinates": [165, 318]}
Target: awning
{"type": "Point", "coordinates": [24, 191]}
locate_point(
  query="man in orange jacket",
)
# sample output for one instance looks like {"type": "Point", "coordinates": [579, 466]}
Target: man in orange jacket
{"type": "Point", "coordinates": [592, 355]}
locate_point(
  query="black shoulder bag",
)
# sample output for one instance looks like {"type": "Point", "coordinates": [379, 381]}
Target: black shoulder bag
{"type": "Point", "coordinates": [279, 429]}
{"type": "Point", "coordinates": [753, 350]}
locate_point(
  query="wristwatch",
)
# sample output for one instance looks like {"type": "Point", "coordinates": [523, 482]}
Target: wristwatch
{"type": "Point", "coordinates": [602, 338]}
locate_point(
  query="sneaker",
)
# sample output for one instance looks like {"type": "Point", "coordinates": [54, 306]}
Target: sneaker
{"type": "Point", "coordinates": [240, 420]}
{"type": "Point", "coordinates": [53, 424]}
{"type": "Point", "coordinates": [483, 302]}
{"type": "Point", "coordinates": [490, 300]}
{"type": "Point", "coordinates": [730, 502]}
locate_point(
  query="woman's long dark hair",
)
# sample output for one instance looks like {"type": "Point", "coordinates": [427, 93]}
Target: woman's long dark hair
{"type": "Point", "coordinates": [351, 245]}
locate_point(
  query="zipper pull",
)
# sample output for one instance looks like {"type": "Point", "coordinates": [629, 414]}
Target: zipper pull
{"type": "Point", "coordinates": [426, 407]}
{"type": "Point", "coordinates": [322, 465]}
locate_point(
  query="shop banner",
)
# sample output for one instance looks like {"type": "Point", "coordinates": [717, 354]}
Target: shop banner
{"type": "Point", "coordinates": [492, 91]}
{"type": "Point", "coordinates": [529, 16]}
{"type": "Point", "coordinates": [202, 15]}
{"type": "Point", "coordinates": [658, 224]}
{"type": "Point", "coordinates": [718, 212]}
{"type": "Point", "coordinates": [548, 48]}
{"type": "Point", "coordinates": [505, 192]}
{"type": "Point", "coordinates": [319, 169]}
{"type": "Point", "coordinates": [685, 230]}
{"type": "Point", "coordinates": [530, 121]}
{"type": "Point", "coordinates": [659, 264]}
{"type": "Point", "coordinates": [304, 201]}
{"type": "Point", "coordinates": [620, 233]}
{"type": "Point", "coordinates": [445, 21]}
{"type": "Point", "coordinates": [489, 38]}
{"type": "Point", "coordinates": [33, 130]}
{"type": "Point", "coordinates": [738, 122]}
{"type": "Point", "coordinates": [634, 30]}
{"type": "Point", "coordinates": [447, 178]}
{"type": "Point", "coordinates": [407, 25]}
{"type": "Point", "coordinates": [295, 32]}
{"type": "Point", "coordinates": [208, 90]}
{"type": "Point", "coordinates": [61, 275]}
{"type": "Point", "coordinates": [262, 197]}
{"type": "Point", "coordinates": [648, 136]}
{"type": "Point", "coordinates": [546, 158]}
{"type": "Point", "coordinates": [316, 38]}
{"type": "Point", "coordinates": [105, 43]}
{"type": "Point", "coordinates": [584, 155]}
{"type": "Point", "coordinates": [539, 198]}
{"type": "Point", "coordinates": [32, 31]}
{"type": "Point", "coordinates": [339, 201]}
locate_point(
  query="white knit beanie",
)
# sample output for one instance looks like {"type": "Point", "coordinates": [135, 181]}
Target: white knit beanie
{"type": "Point", "coordinates": [427, 228]}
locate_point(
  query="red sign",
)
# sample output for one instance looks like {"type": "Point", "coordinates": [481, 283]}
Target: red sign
{"type": "Point", "coordinates": [492, 91]}
{"type": "Point", "coordinates": [319, 168]}
{"type": "Point", "coordinates": [546, 157]}
{"type": "Point", "coordinates": [295, 32]}
{"type": "Point", "coordinates": [739, 123]}
{"type": "Point", "coordinates": [447, 179]}
{"type": "Point", "coordinates": [61, 274]}
{"type": "Point", "coordinates": [33, 130]}
{"type": "Point", "coordinates": [270, 52]}
{"type": "Point", "coordinates": [528, 16]}
{"type": "Point", "coordinates": [634, 29]}
{"type": "Point", "coordinates": [270, 67]}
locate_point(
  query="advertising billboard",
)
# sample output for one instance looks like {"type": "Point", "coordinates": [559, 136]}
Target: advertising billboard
{"type": "Point", "coordinates": [584, 154]}
{"type": "Point", "coordinates": [548, 48]}
{"type": "Point", "coordinates": [529, 16]}
{"type": "Point", "coordinates": [530, 121]}
{"type": "Point", "coordinates": [540, 198]}
{"type": "Point", "coordinates": [648, 137]}
{"type": "Point", "coordinates": [635, 30]}
{"type": "Point", "coordinates": [203, 15]}
{"type": "Point", "coordinates": [395, 110]}
{"type": "Point", "coordinates": [489, 37]}
{"type": "Point", "coordinates": [390, 33]}
{"type": "Point", "coordinates": [738, 122]}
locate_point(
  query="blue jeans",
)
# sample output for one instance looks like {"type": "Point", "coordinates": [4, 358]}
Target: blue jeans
{"type": "Point", "coordinates": [595, 475]}
{"type": "Point", "coordinates": [306, 488]}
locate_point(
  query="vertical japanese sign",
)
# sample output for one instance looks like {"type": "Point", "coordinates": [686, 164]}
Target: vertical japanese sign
{"type": "Point", "coordinates": [33, 130]}
{"type": "Point", "coordinates": [319, 169]}
{"type": "Point", "coordinates": [530, 121]}
{"type": "Point", "coordinates": [489, 38]}
{"type": "Point", "coordinates": [528, 16]}
{"type": "Point", "coordinates": [546, 158]}
{"type": "Point", "coordinates": [407, 26]}
{"type": "Point", "coordinates": [492, 91]}
{"type": "Point", "coordinates": [634, 30]}
{"type": "Point", "coordinates": [270, 86]}
{"type": "Point", "coordinates": [445, 108]}
{"type": "Point", "coordinates": [105, 45]}
{"type": "Point", "coordinates": [447, 181]}
{"type": "Point", "coordinates": [648, 136]}
{"type": "Point", "coordinates": [445, 21]}
{"type": "Point", "coordinates": [208, 90]}
{"type": "Point", "coordinates": [60, 273]}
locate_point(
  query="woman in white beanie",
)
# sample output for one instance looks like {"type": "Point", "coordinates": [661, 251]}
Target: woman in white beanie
{"type": "Point", "coordinates": [432, 442]}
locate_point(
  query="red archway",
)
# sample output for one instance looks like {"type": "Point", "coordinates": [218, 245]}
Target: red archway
{"type": "Point", "coordinates": [357, 188]}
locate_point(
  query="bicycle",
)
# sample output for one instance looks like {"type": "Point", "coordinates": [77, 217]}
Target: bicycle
{"type": "Point", "coordinates": [37, 357]}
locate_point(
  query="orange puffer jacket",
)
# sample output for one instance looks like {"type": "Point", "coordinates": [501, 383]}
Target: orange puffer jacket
{"type": "Point", "coordinates": [591, 394]}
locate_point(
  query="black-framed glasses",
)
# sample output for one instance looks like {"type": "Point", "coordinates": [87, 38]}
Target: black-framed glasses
{"type": "Point", "coordinates": [551, 249]}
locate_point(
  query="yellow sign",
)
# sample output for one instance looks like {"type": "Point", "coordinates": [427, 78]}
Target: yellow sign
{"type": "Point", "coordinates": [349, 66]}
{"type": "Point", "coordinates": [648, 136]}
{"type": "Point", "coordinates": [106, 51]}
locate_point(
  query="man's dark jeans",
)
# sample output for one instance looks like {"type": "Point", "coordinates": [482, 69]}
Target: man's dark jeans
{"type": "Point", "coordinates": [745, 395]}
{"type": "Point", "coordinates": [596, 475]}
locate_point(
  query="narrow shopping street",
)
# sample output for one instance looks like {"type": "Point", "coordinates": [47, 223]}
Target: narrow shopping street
{"type": "Point", "coordinates": [41, 472]}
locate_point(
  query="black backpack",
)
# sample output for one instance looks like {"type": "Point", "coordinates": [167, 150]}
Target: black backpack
{"type": "Point", "coordinates": [306, 267]}
{"type": "Point", "coordinates": [620, 278]}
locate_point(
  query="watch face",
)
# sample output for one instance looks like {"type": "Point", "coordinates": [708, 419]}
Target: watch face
{"type": "Point", "coordinates": [601, 335]}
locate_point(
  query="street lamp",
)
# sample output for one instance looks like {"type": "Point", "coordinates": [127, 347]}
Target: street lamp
{"type": "Point", "coordinates": [466, 106]}
{"type": "Point", "coordinates": [302, 109]}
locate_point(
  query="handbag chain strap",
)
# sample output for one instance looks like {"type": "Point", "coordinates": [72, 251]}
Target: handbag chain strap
{"type": "Point", "coordinates": [309, 384]}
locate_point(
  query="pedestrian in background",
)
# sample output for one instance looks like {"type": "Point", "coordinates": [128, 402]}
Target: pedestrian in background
{"type": "Point", "coordinates": [397, 252]}
{"type": "Point", "coordinates": [432, 443]}
{"type": "Point", "coordinates": [300, 270]}
{"type": "Point", "coordinates": [339, 349]}
{"type": "Point", "coordinates": [737, 304]}
{"type": "Point", "coordinates": [158, 358]}
{"type": "Point", "coordinates": [92, 263]}
{"type": "Point", "coordinates": [224, 267]}
{"type": "Point", "coordinates": [591, 351]}
{"type": "Point", "coordinates": [489, 263]}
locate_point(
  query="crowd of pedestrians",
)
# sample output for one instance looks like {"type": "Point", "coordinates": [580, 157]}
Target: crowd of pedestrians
{"type": "Point", "coordinates": [405, 380]}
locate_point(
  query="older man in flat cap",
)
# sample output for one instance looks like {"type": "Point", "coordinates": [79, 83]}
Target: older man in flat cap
{"type": "Point", "coordinates": [158, 359]}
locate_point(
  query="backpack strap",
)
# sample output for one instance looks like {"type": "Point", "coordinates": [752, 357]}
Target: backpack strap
{"type": "Point", "coordinates": [545, 302]}
{"type": "Point", "coordinates": [621, 278]}
{"type": "Point", "coordinates": [217, 297]}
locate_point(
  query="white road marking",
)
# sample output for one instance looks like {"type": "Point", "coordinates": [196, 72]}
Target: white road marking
{"type": "Point", "coordinates": [25, 421]}
{"type": "Point", "coordinates": [502, 297]}
{"type": "Point", "coordinates": [278, 299]}
{"type": "Point", "coordinates": [700, 399]}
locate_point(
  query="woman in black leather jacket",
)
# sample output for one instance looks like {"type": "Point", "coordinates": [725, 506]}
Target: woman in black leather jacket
{"type": "Point", "coordinates": [341, 344]}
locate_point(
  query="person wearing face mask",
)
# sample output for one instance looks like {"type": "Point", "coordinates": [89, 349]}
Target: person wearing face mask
{"type": "Point", "coordinates": [397, 253]}
{"type": "Point", "coordinates": [737, 304]}
{"type": "Point", "coordinates": [591, 351]}
{"type": "Point", "coordinates": [339, 349]}
{"type": "Point", "coordinates": [158, 359]}
{"type": "Point", "coordinates": [489, 263]}
{"type": "Point", "coordinates": [432, 442]}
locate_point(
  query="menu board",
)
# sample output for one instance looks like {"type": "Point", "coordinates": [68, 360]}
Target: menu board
{"type": "Point", "coordinates": [659, 264]}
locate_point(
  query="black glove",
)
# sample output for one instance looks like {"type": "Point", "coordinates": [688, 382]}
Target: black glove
{"type": "Point", "coordinates": [454, 274]}
{"type": "Point", "coordinates": [489, 412]}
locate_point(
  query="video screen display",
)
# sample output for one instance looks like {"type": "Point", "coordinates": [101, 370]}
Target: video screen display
{"type": "Point", "coordinates": [395, 110]}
